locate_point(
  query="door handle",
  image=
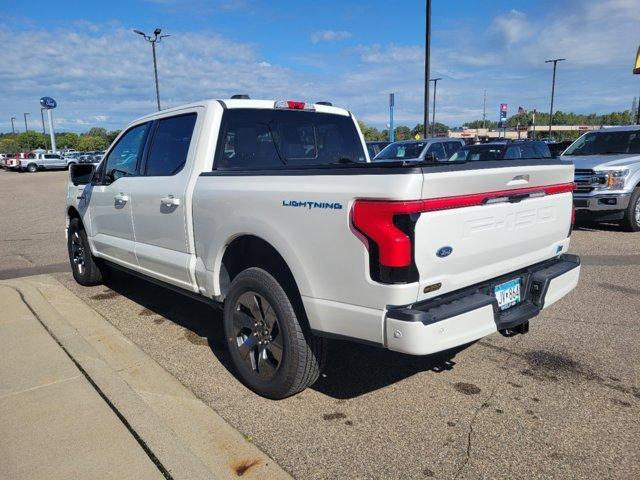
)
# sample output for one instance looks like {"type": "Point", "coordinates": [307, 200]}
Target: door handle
{"type": "Point", "coordinates": [170, 200]}
{"type": "Point", "coordinates": [121, 198]}
{"type": "Point", "coordinates": [519, 180]}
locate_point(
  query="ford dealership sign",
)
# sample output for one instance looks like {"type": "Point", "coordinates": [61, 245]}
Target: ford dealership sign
{"type": "Point", "coordinates": [48, 102]}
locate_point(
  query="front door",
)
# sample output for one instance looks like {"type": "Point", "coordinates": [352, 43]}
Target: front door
{"type": "Point", "coordinates": [110, 198]}
{"type": "Point", "coordinates": [161, 203]}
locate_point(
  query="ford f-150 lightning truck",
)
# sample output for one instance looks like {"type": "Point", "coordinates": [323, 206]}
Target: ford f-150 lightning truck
{"type": "Point", "coordinates": [274, 211]}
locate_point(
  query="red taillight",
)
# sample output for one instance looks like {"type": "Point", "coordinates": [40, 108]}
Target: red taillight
{"type": "Point", "coordinates": [294, 105]}
{"type": "Point", "coordinates": [375, 219]}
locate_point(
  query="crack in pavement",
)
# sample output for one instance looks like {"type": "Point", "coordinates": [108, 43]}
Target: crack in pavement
{"type": "Point", "coordinates": [481, 407]}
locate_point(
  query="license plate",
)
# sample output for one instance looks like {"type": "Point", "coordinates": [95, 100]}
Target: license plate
{"type": "Point", "coordinates": [508, 294]}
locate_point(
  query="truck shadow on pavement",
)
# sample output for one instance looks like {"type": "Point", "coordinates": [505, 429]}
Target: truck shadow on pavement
{"type": "Point", "coordinates": [351, 370]}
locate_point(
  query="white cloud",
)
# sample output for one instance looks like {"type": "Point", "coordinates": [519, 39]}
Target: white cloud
{"type": "Point", "coordinates": [329, 36]}
{"type": "Point", "coordinates": [102, 74]}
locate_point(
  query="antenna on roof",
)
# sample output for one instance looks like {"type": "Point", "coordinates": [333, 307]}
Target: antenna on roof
{"type": "Point", "coordinates": [240, 96]}
{"type": "Point", "coordinates": [328, 104]}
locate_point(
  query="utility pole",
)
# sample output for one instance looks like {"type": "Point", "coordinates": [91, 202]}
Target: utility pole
{"type": "Point", "coordinates": [427, 59]}
{"type": "Point", "coordinates": [26, 128]}
{"type": "Point", "coordinates": [13, 127]}
{"type": "Point", "coordinates": [553, 88]}
{"type": "Point", "coordinates": [484, 109]}
{"type": "Point", "coordinates": [153, 40]}
{"type": "Point", "coordinates": [392, 102]}
{"type": "Point", "coordinates": [433, 116]}
{"type": "Point", "coordinates": [43, 130]}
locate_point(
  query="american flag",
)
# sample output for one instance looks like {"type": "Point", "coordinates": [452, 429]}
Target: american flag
{"type": "Point", "coordinates": [521, 110]}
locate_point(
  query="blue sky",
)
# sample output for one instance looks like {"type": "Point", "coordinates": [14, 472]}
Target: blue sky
{"type": "Point", "coordinates": [350, 52]}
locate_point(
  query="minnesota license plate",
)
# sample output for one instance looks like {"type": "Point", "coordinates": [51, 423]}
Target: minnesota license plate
{"type": "Point", "coordinates": [508, 293]}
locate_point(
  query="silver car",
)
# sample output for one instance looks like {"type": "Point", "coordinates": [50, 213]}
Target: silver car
{"type": "Point", "coordinates": [438, 149]}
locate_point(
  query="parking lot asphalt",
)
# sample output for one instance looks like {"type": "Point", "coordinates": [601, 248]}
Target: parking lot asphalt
{"type": "Point", "coordinates": [562, 401]}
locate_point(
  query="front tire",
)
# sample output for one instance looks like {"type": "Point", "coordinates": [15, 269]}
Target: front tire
{"type": "Point", "coordinates": [84, 266]}
{"type": "Point", "coordinates": [32, 168]}
{"type": "Point", "coordinates": [271, 351]}
{"type": "Point", "coordinates": [631, 221]}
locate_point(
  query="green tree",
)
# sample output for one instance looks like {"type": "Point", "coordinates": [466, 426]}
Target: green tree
{"type": "Point", "coordinates": [402, 132]}
{"type": "Point", "coordinates": [97, 132]}
{"type": "Point", "coordinates": [67, 140]}
{"type": "Point", "coordinates": [87, 142]}
{"type": "Point", "coordinates": [111, 136]}
{"type": "Point", "coordinates": [8, 145]}
{"type": "Point", "coordinates": [31, 140]}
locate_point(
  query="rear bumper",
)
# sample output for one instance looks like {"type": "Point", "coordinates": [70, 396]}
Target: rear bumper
{"type": "Point", "coordinates": [472, 313]}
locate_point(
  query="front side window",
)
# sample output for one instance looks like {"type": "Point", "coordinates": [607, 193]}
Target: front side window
{"type": "Point", "coordinates": [265, 138]}
{"type": "Point", "coordinates": [124, 157]}
{"type": "Point", "coordinates": [170, 145]}
{"type": "Point", "coordinates": [451, 147]}
{"type": "Point", "coordinates": [437, 149]}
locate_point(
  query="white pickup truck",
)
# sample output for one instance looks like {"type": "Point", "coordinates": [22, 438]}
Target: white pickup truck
{"type": "Point", "coordinates": [274, 211]}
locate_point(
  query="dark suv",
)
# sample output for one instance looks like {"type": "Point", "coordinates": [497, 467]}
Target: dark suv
{"type": "Point", "coordinates": [505, 150]}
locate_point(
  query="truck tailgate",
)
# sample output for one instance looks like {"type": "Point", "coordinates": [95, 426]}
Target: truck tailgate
{"type": "Point", "coordinates": [482, 221]}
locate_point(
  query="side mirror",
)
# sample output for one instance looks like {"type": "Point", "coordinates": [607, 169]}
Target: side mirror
{"type": "Point", "coordinates": [81, 173]}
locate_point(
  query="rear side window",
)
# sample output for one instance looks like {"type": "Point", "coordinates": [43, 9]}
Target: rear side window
{"type": "Point", "coordinates": [265, 138]}
{"type": "Point", "coordinates": [170, 145]}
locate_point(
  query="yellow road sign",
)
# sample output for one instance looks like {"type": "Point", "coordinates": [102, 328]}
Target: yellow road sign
{"type": "Point", "coordinates": [636, 69]}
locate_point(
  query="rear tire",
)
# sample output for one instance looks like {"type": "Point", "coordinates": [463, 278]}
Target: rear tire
{"type": "Point", "coordinates": [85, 267]}
{"type": "Point", "coordinates": [271, 352]}
{"type": "Point", "coordinates": [631, 220]}
{"type": "Point", "coordinates": [32, 168]}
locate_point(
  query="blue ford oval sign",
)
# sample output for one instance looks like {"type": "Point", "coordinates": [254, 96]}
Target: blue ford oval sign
{"type": "Point", "coordinates": [444, 252]}
{"type": "Point", "coordinates": [48, 102]}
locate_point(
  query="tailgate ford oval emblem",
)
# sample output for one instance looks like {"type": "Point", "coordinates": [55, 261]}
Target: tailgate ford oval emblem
{"type": "Point", "coordinates": [444, 252]}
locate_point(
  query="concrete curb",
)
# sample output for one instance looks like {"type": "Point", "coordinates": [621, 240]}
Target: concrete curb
{"type": "Point", "coordinates": [184, 437]}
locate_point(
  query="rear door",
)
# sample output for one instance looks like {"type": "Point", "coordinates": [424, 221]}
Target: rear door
{"type": "Point", "coordinates": [486, 219]}
{"type": "Point", "coordinates": [161, 202]}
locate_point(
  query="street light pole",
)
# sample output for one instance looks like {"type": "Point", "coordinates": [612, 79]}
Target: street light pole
{"type": "Point", "coordinates": [427, 59]}
{"type": "Point", "coordinates": [484, 109]}
{"type": "Point", "coordinates": [553, 88]}
{"type": "Point", "coordinates": [13, 127]}
{"type": "Point", "coordinates": [43, 130]}
{"type": "Point", "coordinates": [153, 40]}
{"type": "Point", "coordinates": [26, 128]}
{"type": "Point", "coordinates": [433, 115]}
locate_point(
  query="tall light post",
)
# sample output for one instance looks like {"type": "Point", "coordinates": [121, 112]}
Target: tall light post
{"type": "Point", "coordinates": [553, 88]}
{"type": "Point", "coordinates": [44, 132]}
{"type": "Point", "coordinates": [433, 116]}
{"type": "Point", "coordinates": [13, 127]}
{"type": "Point", "coordinates": [484, 109]}
{"type": "Point", "coordinates": [26, 128]}
{"type": "Point", "coordinates": [427, 59]}
{"type": "Point", "coordinates": [153, 40]}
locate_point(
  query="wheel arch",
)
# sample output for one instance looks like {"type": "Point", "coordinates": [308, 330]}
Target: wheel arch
{"type": "Point", "coordinates": [248, 250]}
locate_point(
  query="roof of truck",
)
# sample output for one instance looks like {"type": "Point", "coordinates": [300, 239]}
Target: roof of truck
{"type": "Point", "coordinates": [241, 103]}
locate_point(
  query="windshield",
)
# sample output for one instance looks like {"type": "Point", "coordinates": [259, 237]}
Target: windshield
{"type": "Point", "coordinates": [478, 153]}
{"type": "Point", "coordinates": [401, 151]}
{"type": "Point", "coordinates": [265, 138]}
{"type": "Point", "coordinates": [606, 143]}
